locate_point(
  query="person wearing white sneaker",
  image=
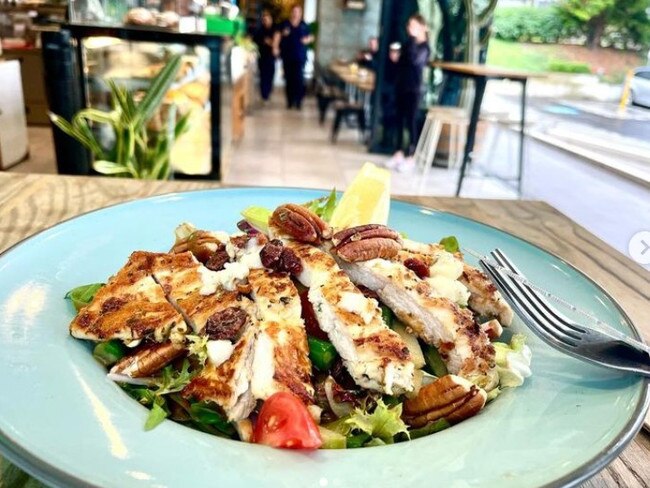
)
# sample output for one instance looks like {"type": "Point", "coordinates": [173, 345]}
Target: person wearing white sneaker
{"type": "Point", "coordinates": [395, 160]}
{"type": "Point", "coordinates": [407, 165]}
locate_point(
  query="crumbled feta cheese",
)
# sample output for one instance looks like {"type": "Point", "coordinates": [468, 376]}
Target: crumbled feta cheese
{"type": "Point", "coordinates": [219, 351]}
{"type": "Point", "coordinates": [449, 288]}
{"type": "Point", "coordinates": [246, 259]}
{"type": "Point", "coordinates": [447, 265]}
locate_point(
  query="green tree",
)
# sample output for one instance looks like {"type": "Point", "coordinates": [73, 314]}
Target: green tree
{"type": "Point", "coordinates": [597, 16]}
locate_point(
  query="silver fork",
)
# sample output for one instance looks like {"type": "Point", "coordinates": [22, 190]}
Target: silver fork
{"type": "Point", "coordinates": [610, 350]}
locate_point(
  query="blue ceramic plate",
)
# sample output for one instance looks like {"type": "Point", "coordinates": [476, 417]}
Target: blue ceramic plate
{"type": "Point", "coordinates": [64, 422]}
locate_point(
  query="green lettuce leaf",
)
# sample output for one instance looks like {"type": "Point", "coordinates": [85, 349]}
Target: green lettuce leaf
{"type": "Point", "coordinates": [156, 415]}
{"type": "Point", "coordinates": [513, 361]}
{"type": "Point", "coordinates": [198, 347]}
{"type": "Point", "coordinates": [450, 243]}
{"type": "Point", "coordinates": [383, 423]}
{"type": "Point", "coordinates": [172, 381]}
{"type": "Point", "coordinates": [258, 217]}
{"type": "Point", "coordinates": [324, 206]}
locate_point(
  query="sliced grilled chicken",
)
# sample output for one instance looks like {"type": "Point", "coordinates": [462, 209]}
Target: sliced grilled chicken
{"type": "Point", "coordinates": [375, 356]}
{"type": "Point", "coordinates": [281, 351]}
{"type": "Point", "coordinates": [129, 307]}
{"type": "Point", "coordinates": [438, 321]}
{"type": "Point", "coordinates": [228, 385]}
{"type": "Point", "coordinates": [183, 279]}
{"type": "Point", "coordinates": [484, 298]}
{"type": "Point", "coordinates": [226, 377]}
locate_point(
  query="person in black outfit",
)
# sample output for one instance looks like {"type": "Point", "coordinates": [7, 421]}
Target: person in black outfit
{"type": "Point", "coordinates": [389, 96]}
{"type": "Point", "coordinates": [368, 57]}
{"type": "Point", "coordinates": [413, 58]}
{"type": "Point", "coordinates": [266, 42]}
{"type": "Point", "coordinates": [294, 37]}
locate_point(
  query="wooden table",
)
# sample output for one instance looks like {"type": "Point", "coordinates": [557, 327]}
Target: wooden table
{"type": "Point", "coordinates": [30, 203]}
{"type": "Point", "coordinates": [353, 77]}
{"type": "Point", "coordinates": [481, 73]}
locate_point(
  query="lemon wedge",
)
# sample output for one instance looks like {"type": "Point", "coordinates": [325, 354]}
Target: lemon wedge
{"type": "Point", "coordinates": [366, 200]}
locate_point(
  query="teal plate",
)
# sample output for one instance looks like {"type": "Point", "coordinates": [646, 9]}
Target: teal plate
{"type": "Point", "coordinates": [64, 422]}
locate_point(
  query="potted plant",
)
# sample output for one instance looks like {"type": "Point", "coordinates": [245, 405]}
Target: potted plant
{"type": "Point", "coordinates": [138, 151]}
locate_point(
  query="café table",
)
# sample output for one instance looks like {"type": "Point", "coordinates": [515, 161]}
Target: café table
{"type": "Point", "coordinates": [33, 202]}
{"type": "Point", "coordinates": [481, 74]}
{"type": "Point", "coordinates": [359, 83]}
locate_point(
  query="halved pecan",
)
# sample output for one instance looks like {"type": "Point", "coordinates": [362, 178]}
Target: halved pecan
{"type": "Point", "coordinates": [148, 360]}
{"type": "Point", "coordinates": [450, 397]}
{"type": "Point", "coordinates": [200, 243]}
{"type": "Point", "coordinates": [366, 242]}
{"type": "Point", "coordinates": [299, 223]}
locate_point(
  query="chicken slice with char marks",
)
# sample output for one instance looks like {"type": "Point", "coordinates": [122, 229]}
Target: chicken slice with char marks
{"type": "Point", "coordinates": [438, 321]}
{"type": "Point", "coordinates": [130, 307]}
{"type": "Point", "coordinates": [484, 299]}
{"type": "Point", "coordinates": [281, 351]}
{"type": "Point", "coordinates": [228, 384]}
{"type": "Point", "coordinates": [374, 355]}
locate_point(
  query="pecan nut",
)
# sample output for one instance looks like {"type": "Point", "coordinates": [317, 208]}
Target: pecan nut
{"type": "Point", "coordinates": [148, 360]}
{"type": "Point", "coordinates": [299, 223]}
{"type": "Point", "coordinates": [200, 243]}
{"type": "Point", "coordinates": [366, 242]}
{"type": "Point", "coordinates": [450, 397]}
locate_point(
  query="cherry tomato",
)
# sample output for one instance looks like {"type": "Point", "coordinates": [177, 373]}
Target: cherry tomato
{"type": "Point", "coordinates": [309, 316]}
{"type": "Point", "coordinates": [284, 422]}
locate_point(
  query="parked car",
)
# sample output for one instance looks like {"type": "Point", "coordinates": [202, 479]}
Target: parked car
{"type": "Point", "coordinates": [640, 87]}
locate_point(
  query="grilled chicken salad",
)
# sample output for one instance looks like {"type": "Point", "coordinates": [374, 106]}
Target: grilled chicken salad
{"type": "Point", "coordinates": [294, 334]}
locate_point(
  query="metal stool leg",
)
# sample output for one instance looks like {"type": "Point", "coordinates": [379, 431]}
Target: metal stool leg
{"type": "Point", "coordinates": [423, 142]}
{"type": "Point", "coordinates": [434, 138]}
{"type": "Point", "coordinates": [452, 147]}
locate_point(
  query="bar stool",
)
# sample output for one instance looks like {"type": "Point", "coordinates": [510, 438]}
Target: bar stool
{"type": "Point", "coordinates": [457, 119]}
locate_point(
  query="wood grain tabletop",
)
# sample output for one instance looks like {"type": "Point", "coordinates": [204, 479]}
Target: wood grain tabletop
{"type": "Point", "coordinates": [475, 69]}
{"type": "Point", "coordinates": [31, 203]}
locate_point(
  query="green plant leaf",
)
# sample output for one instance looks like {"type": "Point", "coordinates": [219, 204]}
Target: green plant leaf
{"type": "Point", "coordinates": [157, 89]}
{"type": "Point", "coordinates": [182, 125]}
{"type": "Point", "coordinates": [98, 116]}
{"type": "Point", "coordinates": [110, 168]}
{"type": "Point", "coordinates": [73, 132]}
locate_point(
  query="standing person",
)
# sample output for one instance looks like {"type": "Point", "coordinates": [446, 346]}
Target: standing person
{"type": "Point", "coordinates": [265, 39]}
{"type": "Point", "coordinates": [413, 58]}
{"type": "Point", "coordinates": [294, 37]}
